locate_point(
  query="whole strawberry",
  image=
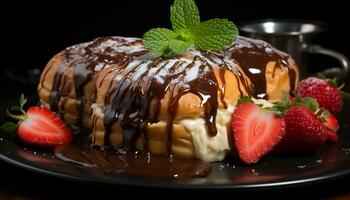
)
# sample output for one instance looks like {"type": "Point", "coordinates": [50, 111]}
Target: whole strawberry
{"type": "Point", "coordinates": [304, 131]}
{"type": "Point", "coordinates": [324, 91]}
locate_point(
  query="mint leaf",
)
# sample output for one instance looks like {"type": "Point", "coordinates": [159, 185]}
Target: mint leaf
{"type": "Point", "coordinates": [9, 127]}
{"type": "Point", "coordinates": [214, 34]}
{"type": "Point", "coordinates": [157, 40]}
{"type": "Point", "coordinates": [178, 46]}
{"type": "Point", "coordinates": [184, 14]}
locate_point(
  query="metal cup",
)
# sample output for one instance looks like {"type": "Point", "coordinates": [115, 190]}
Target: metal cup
{"type": "Point", "coordinates": [295, 38]}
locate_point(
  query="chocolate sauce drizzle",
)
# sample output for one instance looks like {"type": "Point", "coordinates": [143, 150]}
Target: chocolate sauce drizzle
{"type": "Point", "coordinates": [139, 85]}
{"type": "Point", "coordinates": [147, 82]}
{"type": "Point", "coordinates": [85, 60]}
{"type": "Point", "coordinates": [253, 56]}
{"type": "Point", "coordinates": [132, 163]}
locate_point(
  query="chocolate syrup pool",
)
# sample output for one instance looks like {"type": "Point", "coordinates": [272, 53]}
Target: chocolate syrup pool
{"type": "Point", "coordinates": [132, 163]}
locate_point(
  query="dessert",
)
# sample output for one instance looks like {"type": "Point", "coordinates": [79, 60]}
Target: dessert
{"type": "Point", "coordinates": [176, 100]}
{"type": "Point", "coordinates": [78, 78]}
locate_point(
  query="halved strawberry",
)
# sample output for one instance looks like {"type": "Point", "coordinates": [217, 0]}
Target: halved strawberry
{"type": "Point", "coordinates": [332, 125]}
{"type": "Point", "coordinates": [331, 136]}
{"type": "Point", "coordinates": [256, 131]}
{"type": "Point", "coordinates": [39, 126]}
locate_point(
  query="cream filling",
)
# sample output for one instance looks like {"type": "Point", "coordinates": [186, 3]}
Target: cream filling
{"type": "Point", "coordinates": [207, 148]}
{"type": "Point", "coordinates": [210, 148]}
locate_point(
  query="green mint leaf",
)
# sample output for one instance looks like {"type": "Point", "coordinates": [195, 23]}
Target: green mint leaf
{"type": "Point", "coordinates": [9, 127]}
{"type": "Point", "coordinates": [245, 99]}
{"type": "Point", "coordinates": [179, 47]}
{"type": "Point", "coordinates": [157, 40]}
{"type": "Point", "coordinates": [184, 14]}
{"type": "Point", "coordinates": [214, 34]}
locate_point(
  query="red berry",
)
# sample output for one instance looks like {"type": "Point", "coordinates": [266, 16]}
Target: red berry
{"type": "Point", "coordinates": [326, 95]}
{"type": "Point", "coordinates": [256, 132]}
{"type": "Point", "coordinates": [43, 128]}
{"type": "Point", "coordinates": [331, 136]}
{"type": "Point", "coordinates": [304, 131]}
{"type": "Point", "coordinates": [332, 125]}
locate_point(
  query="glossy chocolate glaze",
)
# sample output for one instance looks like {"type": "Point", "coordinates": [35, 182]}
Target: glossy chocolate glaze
{"type": "Point", "coordinates": [85, 60]}
{"type": "Point", "coordinates": [253, 56]}
{"type": "Point", "coordinates": [146, 82]}
{"type": "Point", "coordinates": [132, 163]}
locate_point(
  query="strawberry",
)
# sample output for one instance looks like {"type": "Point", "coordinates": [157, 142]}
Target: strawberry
{"type": "Point", "coordinates": [304, 131]}
{"type": "Point", "coordinates": [324, 91]}
{"type": "Point", "coordinates": [38, 126]}
{"type": "Point", "coordinates": [256, 131]}
{"type": "Point", "coordinates": [331, 136]}
{"type": "Point", "coordinates": [332, 124]}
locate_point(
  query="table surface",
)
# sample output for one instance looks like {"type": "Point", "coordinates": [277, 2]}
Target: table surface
{"type": "Point", "coordinates": [18, 184]}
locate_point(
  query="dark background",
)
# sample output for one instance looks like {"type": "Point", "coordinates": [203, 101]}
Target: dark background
{"type": "Point", "coordinates": [34, 32]}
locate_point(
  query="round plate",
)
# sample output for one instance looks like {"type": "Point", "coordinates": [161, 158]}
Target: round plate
{"type": "Point", "coordinates": [332, 161]}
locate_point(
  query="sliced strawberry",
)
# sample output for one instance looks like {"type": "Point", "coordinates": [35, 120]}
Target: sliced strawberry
{"type": "Point", "coordinates": [42, 127]}
{"type": "Point", "coordinates": [332, 125]}
{"type": "Point", "coordinates": [256, 131]}
{"type": "Point", "coordinates": [38, 126]}
{"type": "Point", "coordinates": [331, 136]}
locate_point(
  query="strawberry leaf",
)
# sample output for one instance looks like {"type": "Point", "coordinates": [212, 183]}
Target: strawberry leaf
{"type": "Point", "coordinates": [311, 103]}
{"type": "Point", "coordinates": [345, 95]}
{"type": "Point", "coordinates": [324, 115]}
{"type": "Point", "coordinates": [245, 99]}
{"type": "Point", "coordinates": [9, 127]}
{"type": "Point", "coordinates": [22, 102]}
{"type": "Point", "coordinates": [16, 108]}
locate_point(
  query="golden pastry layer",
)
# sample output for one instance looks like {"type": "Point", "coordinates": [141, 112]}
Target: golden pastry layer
{"type": "Point", "coordinates": [274, 74]}
{"type": "Point", "coordinates": [67, 83]}
{"type": "Point", "coordinates": [181, 96]}
{"type": "Point", "coordinates": [131, 99]}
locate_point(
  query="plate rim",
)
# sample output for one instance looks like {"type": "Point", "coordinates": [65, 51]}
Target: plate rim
{"type": "Point", "coordinates": [175, 185]}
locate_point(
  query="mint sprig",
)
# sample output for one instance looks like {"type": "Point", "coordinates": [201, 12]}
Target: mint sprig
{"type": "Point", "coordinates": [184, 15]}
{"type": "Point", "coordinates": [188, 31]}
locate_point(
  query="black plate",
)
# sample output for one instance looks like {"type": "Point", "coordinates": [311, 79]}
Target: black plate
{"type": "Point", "coordinates": [331, 162]}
